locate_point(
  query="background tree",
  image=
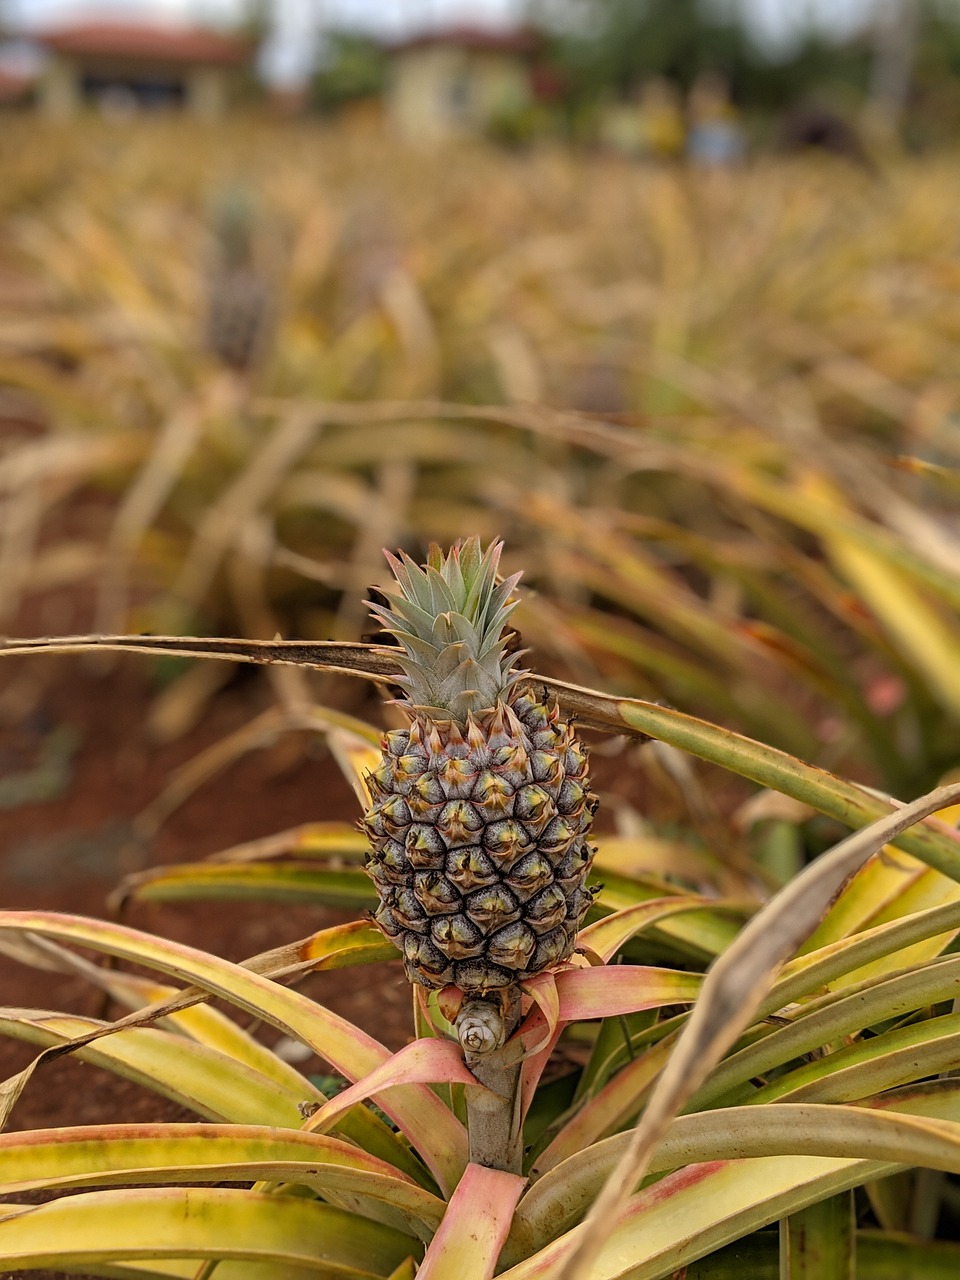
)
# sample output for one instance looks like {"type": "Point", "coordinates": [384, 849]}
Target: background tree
{"type": "Point", "coordinates": [607, 47]}
{"type": "Point", "coordinates": [353, 66]}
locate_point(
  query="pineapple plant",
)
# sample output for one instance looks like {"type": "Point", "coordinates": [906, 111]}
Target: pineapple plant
{"type": "Point", "coordinates": [240, 295]}
{"type": "Point", "coordinates": [482, 806]}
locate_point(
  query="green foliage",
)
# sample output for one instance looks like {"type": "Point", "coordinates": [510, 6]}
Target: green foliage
{"type": "Point", "coordinates": [713, 508]}
{"type": "Point", "coordinates": [613, 45]}
{"type": "Point", "coordinates": [616, 43]}
{"type": "Point", "coordinates": [803, 1070]}
{"type": "Point", "coordinates": [353, 67]}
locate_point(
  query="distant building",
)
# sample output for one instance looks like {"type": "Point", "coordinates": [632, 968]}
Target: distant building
{"type": "Point", "coordinates": [123, 67]}
{"type": "Point", "coordinates": [16, 88]}
{"type": "Point", "coordinates": [459, 81]}
{"type": "Point", "coordinates": [20, 63]}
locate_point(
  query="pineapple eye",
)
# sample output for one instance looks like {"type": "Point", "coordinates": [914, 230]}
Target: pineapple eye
{"type": "Point", "coordinates": [575, 762]}
{"type": "Point", "coordinates": [392, 862]}
{"type": "Point", "coordinates": [547, 767]}
{"type": "Point", "coordinates": [492, 793]}
{"type": "Point", "coordinates": [395, 815]}
{"type": "Point", "coordinates": [457, 778]}
{"type": "Point", "coordinates": [457, 937]}
{"type": "Point", "coordinates": [531, 711]}
{"type": "Point", "coordinates": [458, 822]}
{"type": "Point", "coordinates": [574, 864]}
{"type": "Point", "coordinates": [470, 868]}
{"type": "Point", "coordinates": [557, 836]}
{"type": "Point", "coordinates": [428, 788]}
{"type": "Point", "coordinates": [547, 739]}
{"type": "Point", "coordinates": [407, 769]}
{"type": "Point", "coordinates": [578, 903]}
{"type": "Point", "coordinates": [530, 874]}
{"type": "Point", "coordinates": [396, 742]}
{"type": "Point", "coordinates": [492, 907]}
{"type": "Point", "coordinates": [426, 961]}
{"type": "Point", "coordinates": [572, 797]}
{"type": "Point", "coordinates": [534, 806]}
{"type": "Point", "coordinates": [480, 977]}
{"type": "Point", "coordinates": [381, 780]}
{"type": "Point", "coordinates": [510, 760]}
{"type": "Point", "coordinates": [546, 910]}
{"type": "Point", "coordinates": [551, 949]}
{"type": "Point", "coordinates": [435, 892]}
{"type": "Point", "coordinates": [506, 840]}
{"type": "Point", "coordinates": [513, 946]}
{"type": "Point", "coordinates": [385, 918]}
{"type": "Point", "coordinates": [409, 913]}
{"type": "Point", "coordinates": [425, 847]}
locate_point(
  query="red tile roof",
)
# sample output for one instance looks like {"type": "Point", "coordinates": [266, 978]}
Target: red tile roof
{"type": "Point", "coordinates": [136, 41]}
{"type": "Point", "coordinates": [14, 86]}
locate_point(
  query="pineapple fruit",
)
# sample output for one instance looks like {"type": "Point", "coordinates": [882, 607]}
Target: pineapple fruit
{"type": "Point", "coordinates": [240, 295]}
{"type": "Point", "coordinates": [480, 809]}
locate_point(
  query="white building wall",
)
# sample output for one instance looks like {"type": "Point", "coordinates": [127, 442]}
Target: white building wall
{"type": "Point", "coordinates": [58, 93]}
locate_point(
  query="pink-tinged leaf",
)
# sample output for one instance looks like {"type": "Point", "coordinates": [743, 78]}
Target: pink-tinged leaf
{"type": "Point", "coordinates": [543, 991]}
{"type": "Point", "coordinates": [608, 935]}
{"type": "Point", "coordinates": [533, 1068]}
{"type": "Point", "coordinates": [449, 1001]}
{"type": "Point", "coordinates": [603, 992]}
{"type": "Point", "coordinates": [539, 1033]}
{"type": "Point", "coordinates": [469, 1240]}
{"type": "Point", "coordinates": [426, 1061]}
{"type": "Point", "coordinates": [732, 991]}
{"type": "Point", "coordinates": [622, 988]}
{"type": "Point", "coordinates": [547, 1263]}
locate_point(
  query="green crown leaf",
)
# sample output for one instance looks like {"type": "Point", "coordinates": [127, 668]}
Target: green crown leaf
{"type": "Point", "coordinates": [449, 617]}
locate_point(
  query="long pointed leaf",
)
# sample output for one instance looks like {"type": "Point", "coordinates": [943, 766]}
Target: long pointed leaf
{"type": "Point", "coordinates": [199, 1222]}
{"type": "Point", "coordinates": [210, 1083]}
{"type": "Point", "coordinates": [117, 1155]}
{"type": "Point", "coordinates": [827, 1021]}
{"type": "Point", "coordinates": [560, 1198]}
{"type": "Point", "coordinates": [302, 882]}
{"type": "Point", "coordinates": [425, 1061]}
{"type": "Point", "coordinates": [435, 1132]}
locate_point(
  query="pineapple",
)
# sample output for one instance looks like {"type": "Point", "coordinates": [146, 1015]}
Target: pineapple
{"type": "Point", "coordinates": [480, 809]}
{"type": "Point", "coordinates": [240, 295]}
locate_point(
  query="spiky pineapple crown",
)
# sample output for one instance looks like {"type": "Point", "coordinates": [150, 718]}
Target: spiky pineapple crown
{"type": "Point", "coordinates": [449, 617]}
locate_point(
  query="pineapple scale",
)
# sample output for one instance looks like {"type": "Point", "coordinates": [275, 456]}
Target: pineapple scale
{"type": "Point", "coordinates": [478, 844]}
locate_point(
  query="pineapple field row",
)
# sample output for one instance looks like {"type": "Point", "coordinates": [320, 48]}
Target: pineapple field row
{"type": "Point", "coordinates": [713, 416]}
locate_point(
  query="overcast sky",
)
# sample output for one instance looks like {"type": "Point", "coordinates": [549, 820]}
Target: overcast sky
{"type": "Point", "coordinates": [298, 21]}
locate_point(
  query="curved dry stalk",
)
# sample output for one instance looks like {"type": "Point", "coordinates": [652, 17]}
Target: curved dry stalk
{"type": "Point", "coordinates": [935, 844]}
{"type": "Point", "coordinates": [327, 655]}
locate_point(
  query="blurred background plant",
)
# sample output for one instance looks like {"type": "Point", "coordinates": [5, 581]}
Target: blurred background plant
{"type": "Point", "coordinates": [717, 431]}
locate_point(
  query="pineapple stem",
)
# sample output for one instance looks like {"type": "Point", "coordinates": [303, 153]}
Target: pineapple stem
{"type": "Point", "coordinates": [493, 1115]}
